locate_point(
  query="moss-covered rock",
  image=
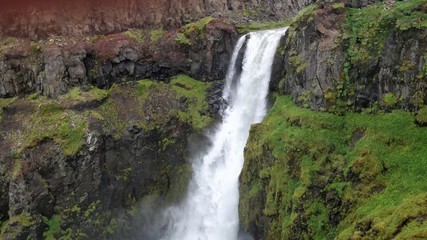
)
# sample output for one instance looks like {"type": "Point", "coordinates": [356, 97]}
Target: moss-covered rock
{"type": "Point", "coordinates": [347, 59]}
{"type": "Point", "coordinates": [81, 165]}
{"type": "Point", "coordinates": [314, 175]}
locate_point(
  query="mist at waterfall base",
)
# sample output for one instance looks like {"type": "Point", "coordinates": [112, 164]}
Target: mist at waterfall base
{"type": "Point", "coordinates": [210, 209]}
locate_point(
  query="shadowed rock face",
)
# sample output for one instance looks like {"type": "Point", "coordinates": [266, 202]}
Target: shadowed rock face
{"type": "Point", "coordinates": [314, 61]}
{"type": "Point", "coordinates": [40, 19]}
{"type": "Point", "coordinates": [52, 67]}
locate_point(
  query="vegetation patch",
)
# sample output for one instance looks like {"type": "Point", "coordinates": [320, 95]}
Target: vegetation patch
{"type": "Point", "coordinates": [155, 35]}
{"type": "Point", "coordinates": [50, 120]}
{"type": "Point", "coordinates": [340, 176]}
{"type": "Point", "coordinates": [366, 28]}
{"type": "Point", "coordinates": [53, 230]}
{"type": "Point", "coordinates": [192, 30]}
{"type": "Point", "coordinates": [4, 103]}
{"type": "Point", "coordinates": [195, 94]}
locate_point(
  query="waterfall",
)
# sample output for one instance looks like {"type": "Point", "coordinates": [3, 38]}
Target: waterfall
{"type": "Point", "coordinates": [210, 210]}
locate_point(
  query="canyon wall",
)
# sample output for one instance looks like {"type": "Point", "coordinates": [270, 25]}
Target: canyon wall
{"type": "Point", "coordinates": [40, 19]}
{"type": "Point", "coordinates": [52, 67]}
{"type": "Point", "coordinates": [341, 153]}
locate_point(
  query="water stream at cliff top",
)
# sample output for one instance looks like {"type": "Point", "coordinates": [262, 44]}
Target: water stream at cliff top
{"type": "Point", "coordinates": [210, 210]}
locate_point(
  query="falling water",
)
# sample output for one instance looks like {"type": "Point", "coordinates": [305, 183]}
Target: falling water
{"type": "Point", "coordinates": [210, 211]}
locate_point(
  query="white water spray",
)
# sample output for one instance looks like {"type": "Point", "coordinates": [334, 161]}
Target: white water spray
{"type": "Point", "coordinates": [210, 211]}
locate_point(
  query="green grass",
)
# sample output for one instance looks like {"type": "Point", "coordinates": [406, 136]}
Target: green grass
{"type": "Point", "coordinates": [315, 149]}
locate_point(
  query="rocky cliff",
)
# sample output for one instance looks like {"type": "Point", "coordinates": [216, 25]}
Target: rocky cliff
{"type": "Point", "coordinates": [357, 171]}
{"type": "Point", "coordinates": [85, 142]}
{"type": "Point", "coordinates": [201, 49]}
{"type": "Point", "coordinates": [79, 166]}
{"type": "Point", "coordinates": [340, 59]}
{"type": "Point", "coordinates": [43, 18]}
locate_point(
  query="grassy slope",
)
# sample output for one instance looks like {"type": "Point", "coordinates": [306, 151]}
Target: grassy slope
{"type": "Point", "coordinates": [381, 176]}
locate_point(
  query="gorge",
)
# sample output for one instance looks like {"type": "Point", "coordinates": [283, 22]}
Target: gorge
{"type": "Point", "coordinates": [104, 109]}
{"type": "Point", "coordinates": [210, 211]}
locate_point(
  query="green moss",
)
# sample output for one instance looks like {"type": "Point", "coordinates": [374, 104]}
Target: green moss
{"type": "Point", "coordinates": [16, 168]}
{"type": "Point", "coordinates": [3, 227]}
{"type": "Point", "coordinates": [91, 94]}
{"type": "Point", "coordinates": [4, 103]}
{"type": "Point", "coordinates": [406, 66]}
{"type": "Point", "coordinates": [52, 121]}
{"type": "Point", "coordinates": [182, 39]}
{"type": "Point", "coordinates": [72, 137]}
{"type": "Point", "coordinates": [24, 219]}
{"type": "Point", "coordinates": [136, 34]}
{"type": "Point", "coordinates": [378, 173]}
{"type": "Point", "coordinates": [409, 14]}
{"type": "Point", "coordinates": [155, 35]}
{"type": "Point", "coordinates": [367, 28]}
{"type": "Point", "coordinates": [197, 27]}
{"type": "Point", "coordinates": [53, 228]}
{"type": "Point", "coordinates": [390, 100]}
{"type": "Point", "coordinates": [192, 30]}
{"type": "Point", "coordinates": [110, 113]}
{"type": "Point", "coordinates": [7, 40]}
{"type": "Point", "coordinates": [143, 87]}
{"type": "Point", "coordinates": [195, 93]}
{"type": "Point", "coordinates": [338, 6]}
{"type": "Point", "coordinates": [305, 15]}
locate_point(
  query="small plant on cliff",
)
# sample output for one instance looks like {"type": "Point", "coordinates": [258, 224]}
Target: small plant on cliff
{"type": "Point", "coordinates": [197, 27]}
{"type": "Point", "coordinates": [192, 30]}
{"type": "Point", "coordinates": [182, 39]}
{"type": "Point", "coordinates": [390, 100]}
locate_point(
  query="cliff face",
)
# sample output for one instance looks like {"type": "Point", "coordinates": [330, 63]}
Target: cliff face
{"type": "Point", "coordinates": [40, 19]}
{"type": "Point", "coordinates": [80, 166]}
{"type": "Point", "coordinates": [337, 59]}
{"type": "Point", "coordinates": [200, 49]}
{"type": "Point", "coordinates": [347, 161]}
{"type": "Point", "coordinates": [83, 143]}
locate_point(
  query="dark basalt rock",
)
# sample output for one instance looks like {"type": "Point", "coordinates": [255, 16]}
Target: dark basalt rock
{"type": "Point", "coordinates": [58, 65]}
